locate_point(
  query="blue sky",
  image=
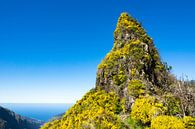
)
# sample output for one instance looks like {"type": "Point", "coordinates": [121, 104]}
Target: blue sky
{"type": "Point", "coordinates": [49, 50]}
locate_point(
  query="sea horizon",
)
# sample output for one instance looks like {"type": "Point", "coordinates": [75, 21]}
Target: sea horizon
{"type": "Point", "coordinates": [38, 111]}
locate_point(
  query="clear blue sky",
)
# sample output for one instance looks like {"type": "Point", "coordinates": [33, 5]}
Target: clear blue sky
{"type": "Point", "coordinates": [50, 49]}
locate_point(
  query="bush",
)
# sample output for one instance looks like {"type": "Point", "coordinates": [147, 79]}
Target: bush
{"type": "Point", "coordinates": [136, 88]}
{"type": "Point", "coordinates": [167, 122]}
{"type": "Point", "coordinates": [145, 109]}
{"type": "Point", "coordinates": [189, 122]}
{"type": "Point", "coordinates": [173, 105]}
{"type": "Point", "coordinates": [97, 109]}
{"type": "Point", "coordinates": [133, 124]}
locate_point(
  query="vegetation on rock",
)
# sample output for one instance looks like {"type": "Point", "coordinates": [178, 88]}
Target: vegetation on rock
{"type": "Point", "coordinates": [134, 89]}
{"type": "Point", "coordinates": [146, 108]}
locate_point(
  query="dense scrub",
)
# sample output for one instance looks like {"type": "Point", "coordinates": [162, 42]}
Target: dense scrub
{"type": "Point", "coordinates": [97, 109]}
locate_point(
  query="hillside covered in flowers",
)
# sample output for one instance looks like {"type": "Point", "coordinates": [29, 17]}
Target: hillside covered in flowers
{"type": "Point", "coordinates": [134, 89]}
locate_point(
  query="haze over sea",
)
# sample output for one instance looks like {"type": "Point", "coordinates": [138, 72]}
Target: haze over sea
{"type": "Point", "coordinates": [38, 111]}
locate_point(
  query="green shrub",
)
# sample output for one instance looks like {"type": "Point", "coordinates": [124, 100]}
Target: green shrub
{"type": "Point", "coordinates": [120, 77]}
{"type": "Point", "coordinates": [136, 88]}
{"type": "Point", "coordinates": [133, 124]}
{"type": "Point", "coordinates": [172, 104]}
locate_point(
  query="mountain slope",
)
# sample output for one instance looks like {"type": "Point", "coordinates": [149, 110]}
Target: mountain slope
{"type": "Point", "coordinates": [10, 120]}
{"type": "Point", "coordinates": [134, 89]}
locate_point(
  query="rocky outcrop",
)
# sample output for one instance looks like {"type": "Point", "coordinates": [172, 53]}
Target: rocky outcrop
{"type": "Point", "coordinates": [133, 57]}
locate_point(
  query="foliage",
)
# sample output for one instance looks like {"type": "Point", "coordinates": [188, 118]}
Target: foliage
{"type": "Point", "coordinates": [123, 105]}
{"type": "Point", "coordinates": [136, 88]}
{"type": "Point", "coordinates": [189, 122]}
{"type": "Point", "coordinates": [97, 109]}
{"type": "Point", "coordinates": [146, 108]}
{"type": "Point", "coordinates": [134, 124]}
{"type": "Point", "coordinates": [120, 77]}
{"type": "Point", "coordinates": [173, 104]}
{"type": "Point", "coordinates": [167, 122]}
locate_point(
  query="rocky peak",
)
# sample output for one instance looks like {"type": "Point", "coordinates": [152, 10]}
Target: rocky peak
{"type": "Point", "coordinates": [133, 58]}
{"type": "Point", "coordinates": [128, 29]}
{"type": "Point", "coordinates": [132, 85]}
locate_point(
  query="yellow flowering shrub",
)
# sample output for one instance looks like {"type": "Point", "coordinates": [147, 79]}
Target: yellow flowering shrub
{"type": "Point", "coordinates": [167, 122]}
{"type": "Point", "coordinates": [189, 122]}
{"type": "Point", "coordinates": [97, 109]}
{"type": "Point", "coordinates": [146, 108]}
{"type": "Point", "coordinates": [136, 88]}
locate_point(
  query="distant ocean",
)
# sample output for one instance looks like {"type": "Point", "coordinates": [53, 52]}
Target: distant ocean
{"type": "Point", "coordinates": [42, 112]}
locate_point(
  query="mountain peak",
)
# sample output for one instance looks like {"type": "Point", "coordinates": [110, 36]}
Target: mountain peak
{"type": "Point", "coordinates": [131, 79]}
{"type": "Point", "coordinates": [133, 57]}
{"type": "Point", "coordinates": [128, 29]}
